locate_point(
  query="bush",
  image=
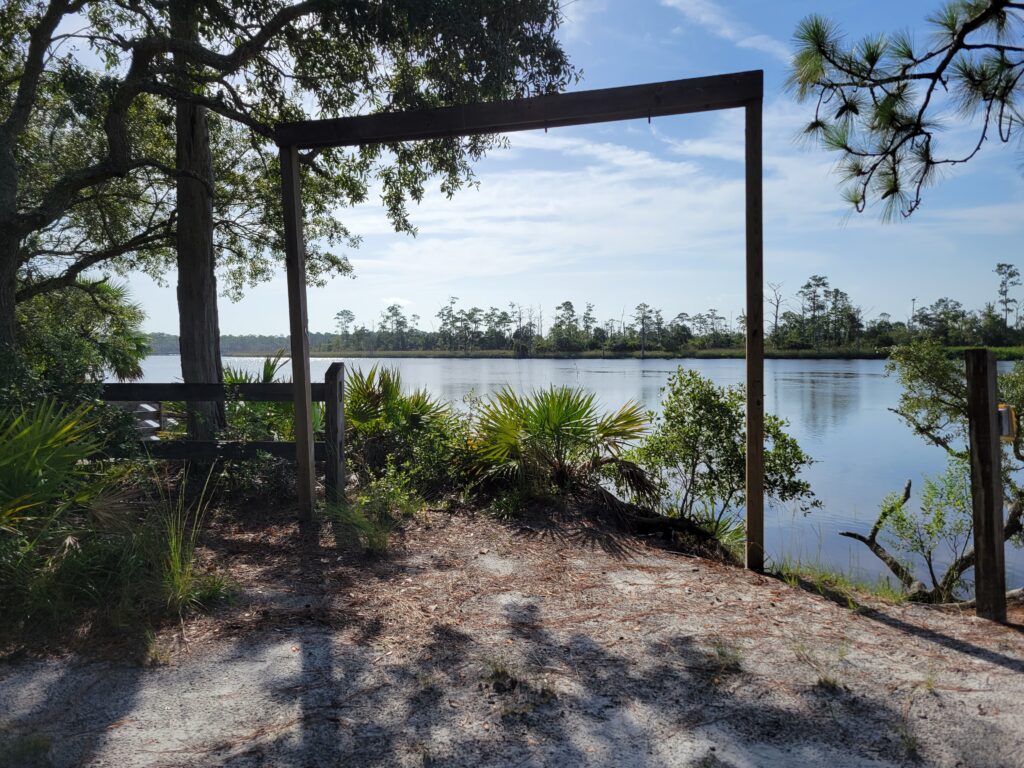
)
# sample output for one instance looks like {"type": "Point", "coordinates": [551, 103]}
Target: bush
{"type": "Point", "coordinates": [377, 510]}
{"type": "Point", "coordinates": [553, 442]}
{"type": "Point", "coordinates": [697, 453]}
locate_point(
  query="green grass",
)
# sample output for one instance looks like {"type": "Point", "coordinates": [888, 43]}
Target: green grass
{"type": "Point", "coordinates": [185, 588]}
{"type": "Point", "coordinates": [832, 582]}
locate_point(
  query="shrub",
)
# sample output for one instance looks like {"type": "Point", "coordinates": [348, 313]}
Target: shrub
{"type": "Point", "coordinates": [554, 441]}
{"type": "Point", "coordinates": [377, 510]}
{"type": "Point", "coordinates": [411, 432]}
{"type": "Point", "coordinates": [697, 454]}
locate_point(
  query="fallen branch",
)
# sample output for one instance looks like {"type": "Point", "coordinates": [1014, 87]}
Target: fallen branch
{"type": "Point", "coordinates": [906, 577]}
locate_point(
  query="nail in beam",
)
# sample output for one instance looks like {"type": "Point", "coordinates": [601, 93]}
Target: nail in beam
{"type": "Point", "coordinates": [731, 91]}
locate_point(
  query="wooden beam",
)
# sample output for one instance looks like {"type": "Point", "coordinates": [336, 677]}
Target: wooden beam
{"type": "Point", "coordinates": [675, 97]}
{"type": "Point", "coordinates": [334, 473]}
{"type": "Point", "coordinates": [755, 340]}
{"type": "Point", "coordinates": [986, 485]}
{"type": "Point", "coordinates": [295, 262]}
{"type": "Point", "coordinates": [161, 392]}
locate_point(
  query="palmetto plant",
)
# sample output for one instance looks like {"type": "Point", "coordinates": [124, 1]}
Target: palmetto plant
{"type": "Point", "coordinates": [380, 418]}
{"type": "Point", "coordinates": [556, 439]}
{"type": "Point", "coordinates": [43, 469]}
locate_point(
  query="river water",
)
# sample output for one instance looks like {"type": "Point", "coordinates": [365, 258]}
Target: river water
{"type": "Point", "coordinates": [837, 409]}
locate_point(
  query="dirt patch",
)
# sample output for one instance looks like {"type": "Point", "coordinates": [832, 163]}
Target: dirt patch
{"type": "Point", "coordinates": [476, 643]}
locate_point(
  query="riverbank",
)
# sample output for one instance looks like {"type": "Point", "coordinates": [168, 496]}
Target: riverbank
{"type": "Point", "coordinates": [597, 354]}
{"type": "Point", "coordinates": [1001, 353]}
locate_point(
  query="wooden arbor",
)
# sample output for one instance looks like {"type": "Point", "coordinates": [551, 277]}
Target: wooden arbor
{"type": "Point", "coordinates": [733, 91]}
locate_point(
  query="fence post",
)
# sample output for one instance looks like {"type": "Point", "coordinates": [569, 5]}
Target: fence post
{"type": "Point", "coordinates": [334, 429]}
{"type": "Point", "coordinates": [986, 485]}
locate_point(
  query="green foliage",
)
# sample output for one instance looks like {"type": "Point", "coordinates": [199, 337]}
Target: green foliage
{"type": "Point", "coordinates": [554, 440]}
{"type": "Point", "coordinates": [697, 454]}
{"type": "Point", "coordinates": [382, 422]}
{"type": "Point", "coordinates": [941, 531]}
{"type": "Point", "coordinates": [377, 510]}
{"type": "Point", "coordinates": [249, 420]}
{"type": "Point", "coordinates": [64, 544]}
{"type": "Point", "coordinates": [43, 466]}
{"type": "Point", "coordinates": [878, 100]}
{"type": "Point", "coordinates": [181, 521]}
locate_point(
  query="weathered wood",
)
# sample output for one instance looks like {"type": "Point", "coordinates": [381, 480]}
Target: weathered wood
{"type": "Point", "coordinates": [162, 392]}
{"type": "Point", "coordinates": [674, 97]}
{"type": "Point", "coordinates": [295, 262]}
{"type": "Point", "coordinates": [755, 340]}
{"type": "Point", "coordinates": [198, 323]}
{"type": "Point", "coordinates": [986, 485]}
{"type": "Point", "coordinates": [334, 391]}
{"type": "Point", "coordinates": [209, 450]}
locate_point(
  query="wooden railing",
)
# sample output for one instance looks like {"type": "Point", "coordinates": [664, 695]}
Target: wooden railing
{"type": "Point", "coordinates": [331, 392]}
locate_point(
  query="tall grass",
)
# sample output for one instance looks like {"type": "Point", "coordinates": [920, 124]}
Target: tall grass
{"type": "Point", "coordinates": [184, 587]}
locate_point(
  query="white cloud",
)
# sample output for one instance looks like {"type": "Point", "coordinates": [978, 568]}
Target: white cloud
{"type": "Point", "coordinates": [721, 23]}
{"type": "Point", "coordinates": [576, 14]}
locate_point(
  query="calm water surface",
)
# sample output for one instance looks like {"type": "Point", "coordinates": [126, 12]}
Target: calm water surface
{"type": "Point", "coordinates": [837, 409]}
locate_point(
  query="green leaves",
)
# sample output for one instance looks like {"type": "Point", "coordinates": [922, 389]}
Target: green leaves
{"type": "Point", "coordinates": [552, 438]}
{"type": "Point", "coordinates": [879, 101]}
{"type": "Point", "coordinates": [697, 449]}
{"type": "Point", "coordinates": [43, 473]}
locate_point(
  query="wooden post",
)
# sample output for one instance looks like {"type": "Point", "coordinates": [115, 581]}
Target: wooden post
{"type": "Point", "coordinates": [986, 485]}
{"type": "Point", "coordinates": [755, 341]}
{"type": "Point", "coordinates": [295, 261]}
{"type": "Point", "coordinates": [334, 395]}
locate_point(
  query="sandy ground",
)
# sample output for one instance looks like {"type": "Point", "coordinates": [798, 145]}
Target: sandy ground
{"type": "Point", "coordinates": [479, 644]}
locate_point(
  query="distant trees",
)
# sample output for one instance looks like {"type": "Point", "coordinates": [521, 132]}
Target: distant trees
{"type": "Point", "coordinates": [819, 317]}
{"type": "Point", "coordinates": [1009, 277]}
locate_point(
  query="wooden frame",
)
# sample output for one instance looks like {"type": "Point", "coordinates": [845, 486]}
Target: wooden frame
{"type": "Point", "coordinates": [741, 90]}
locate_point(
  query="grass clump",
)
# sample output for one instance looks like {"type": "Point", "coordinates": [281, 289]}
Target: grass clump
{"type": "Point", "coordinates": [376, 511]}
{"type": "Point", "coordinates": [836, 585]}
{"type": "Point", "coordinates": [185, 588]}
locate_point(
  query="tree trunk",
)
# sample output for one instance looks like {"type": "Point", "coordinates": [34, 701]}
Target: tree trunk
{"type": "Point", "coordinates": [197, 277]}
{"type": "Point", "coordinates": [8, 286]}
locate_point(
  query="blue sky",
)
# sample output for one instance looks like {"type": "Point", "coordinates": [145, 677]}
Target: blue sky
{"type": "Point", "coordinates": [622, 213]}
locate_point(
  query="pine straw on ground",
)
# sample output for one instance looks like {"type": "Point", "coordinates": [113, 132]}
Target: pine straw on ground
{"type": "Point", "coordinates": [477, 642]}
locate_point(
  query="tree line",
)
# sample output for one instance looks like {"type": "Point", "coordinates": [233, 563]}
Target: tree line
{"type": "Point", "coordinates": [817, 316]}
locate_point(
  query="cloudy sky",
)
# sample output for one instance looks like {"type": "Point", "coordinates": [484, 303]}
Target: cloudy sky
{"type": "Point", "coordinates": [622, 213]}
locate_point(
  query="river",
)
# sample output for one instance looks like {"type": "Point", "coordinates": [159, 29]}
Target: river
{"type": "Point", "coordinates": [837, 409]}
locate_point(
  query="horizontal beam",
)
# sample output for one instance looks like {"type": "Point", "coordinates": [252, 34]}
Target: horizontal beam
{"type": "Point", "coordinates": [674, 97]}
{"type": "Point", "coordinates": [209, 450]}
{"type": "Point", "coordinates": [156, 393]}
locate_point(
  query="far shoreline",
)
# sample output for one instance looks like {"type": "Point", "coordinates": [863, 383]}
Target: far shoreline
{"type": "Point", "coordinates": [1001, 353]}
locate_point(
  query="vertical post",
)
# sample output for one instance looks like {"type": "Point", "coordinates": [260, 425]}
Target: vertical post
{"type": "Point", "coordinates": [755, 340]}
{"type": "Point", "coordinates": [295, 261]}
{"type": "Point", "coordinates": [334, 394]}
{"type": "Point", "coordinates": [986, 485]}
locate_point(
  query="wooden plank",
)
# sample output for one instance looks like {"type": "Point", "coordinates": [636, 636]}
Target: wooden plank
{"type": "Point", "coordinates": [210, 450]}
{"type": "Point", "coordinates": [334, 472]}
{"type": "Point", "coordinates": [986, 485]}
{"type": "Point", "coordinates": [295, 262]}
{"type": "Point", "coordinates": [755, 341]}
{"type": "Point", "coordinates": [162, 392]}
{"type": "Point", "coordinates": [673, 97]}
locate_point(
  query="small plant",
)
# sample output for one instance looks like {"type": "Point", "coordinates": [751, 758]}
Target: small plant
{"type": "Point", "coordinates": [377, 510]}
{"type": "Point", "coordinates": [185, 589]}
{"type": "Point", "coordinates": [727, 655]}
{"type": "Point", "coordinates": [555, 441]}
